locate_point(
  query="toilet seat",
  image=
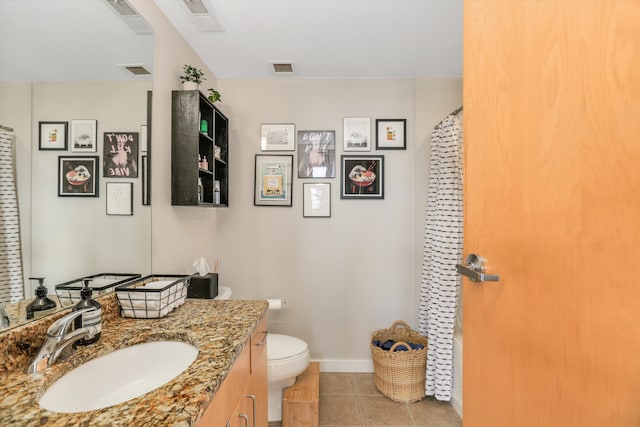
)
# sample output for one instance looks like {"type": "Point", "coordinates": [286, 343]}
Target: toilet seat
{"type": "Point", "coordinates": [284, 347]}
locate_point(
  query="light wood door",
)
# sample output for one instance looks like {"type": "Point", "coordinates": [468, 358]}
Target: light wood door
{"type": "Point", "coordinates": [552, 201]}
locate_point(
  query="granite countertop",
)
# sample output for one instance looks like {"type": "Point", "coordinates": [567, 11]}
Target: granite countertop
{"type": "Point", "coordinates": [219, 329]}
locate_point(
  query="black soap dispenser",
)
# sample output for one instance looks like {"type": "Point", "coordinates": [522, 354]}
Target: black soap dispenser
{"type": "Point", "coordinates": [89, 318]}
{"type": "Point", "coordinates": [42, 305]}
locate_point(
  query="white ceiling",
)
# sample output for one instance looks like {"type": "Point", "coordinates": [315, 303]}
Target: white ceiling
{"type": "Point", "coordinates": [64, 40]}
{"type": "Point", "coordinates": [327, 38]}
{"type": "Point", "coordinates": [67, 40]}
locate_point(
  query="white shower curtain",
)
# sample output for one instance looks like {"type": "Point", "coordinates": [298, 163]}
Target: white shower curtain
{"type": "Point", "coordinates": [442, 250]}
{"type": "Point", "coordinates": [11, 280]}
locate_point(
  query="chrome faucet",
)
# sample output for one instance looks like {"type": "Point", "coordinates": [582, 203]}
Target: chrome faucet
{"type": "Point", "coordinates": [57, 339]}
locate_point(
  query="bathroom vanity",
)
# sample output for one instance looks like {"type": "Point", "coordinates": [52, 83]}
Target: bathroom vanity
{"type": "Point", "coordinates": [227, 382]}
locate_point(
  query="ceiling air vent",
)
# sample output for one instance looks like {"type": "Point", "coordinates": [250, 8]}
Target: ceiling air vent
{"type": "Point", "coordinates": [130, 17]}
{"type": "Point", "coordinates": [203, 20]}
{"type": "Point", "coordinates": [283, 68]}
{"type": "Point", "coordinates": [196, 6]}
{"type": "Point", "coordinates": [138, 70]}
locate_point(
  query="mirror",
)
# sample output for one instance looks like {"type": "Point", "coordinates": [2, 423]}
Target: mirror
{"type": "Point", "coordinates": [66, 63]}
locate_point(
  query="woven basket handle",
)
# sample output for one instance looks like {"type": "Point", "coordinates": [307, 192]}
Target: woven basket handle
{"type": "Point", "coordinates": [400, 323]}
{"type": "Point", "coordinates": [399, 343]}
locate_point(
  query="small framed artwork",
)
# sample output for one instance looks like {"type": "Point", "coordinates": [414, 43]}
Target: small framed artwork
{"type": "Point", "coordinates": [119, 198]}
{"type": "Point", "coordinates": [53, 135]}
{"type": "Point", "coordinates": [78, 176]}
{"type": "Point", "coordinates": [390, 134]}
{"type": "Point", "coordinates": [357, 134]}
{"type": "Point", "coordinates": [362, 177]}
{"type": "Point", "coordinates": [273, 177]}
{"type": "Point", "coordinates": [84, 136]}
{"type": "Point", "coordinates": [277, 137]}
{"type": "Point", "coordinates": [316, 154]}
{"type": "Point", "coordinates": [120, 157]}
{"type": "Point", "coordinates": [317, 200]}
{"type": "Point", "coordinates": [143, 139]}
{"type": "Point", "coordinates": [146, 183]}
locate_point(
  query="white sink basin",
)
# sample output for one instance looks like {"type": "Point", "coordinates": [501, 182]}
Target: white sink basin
{"type": "Point", "coordinates": [119, 376]}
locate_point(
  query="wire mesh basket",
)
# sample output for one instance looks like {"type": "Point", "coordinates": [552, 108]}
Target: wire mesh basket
{"type": "Point", "coordinates": [152, 296]}
{"type": "Point", "coordinates": [69, 292]}
{"type": "Point", "coordinates": [400, 375]}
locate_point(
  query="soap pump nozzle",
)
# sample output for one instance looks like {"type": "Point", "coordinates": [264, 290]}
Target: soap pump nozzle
{"type": "Point", "coordinates": [41, 290]}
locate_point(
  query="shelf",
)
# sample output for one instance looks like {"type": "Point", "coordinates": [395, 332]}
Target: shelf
{"type": "Point", "coordinates": [189, 108]}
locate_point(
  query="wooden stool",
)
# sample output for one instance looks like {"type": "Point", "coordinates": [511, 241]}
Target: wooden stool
{"type": "Point", "coordinates": [300, 402]}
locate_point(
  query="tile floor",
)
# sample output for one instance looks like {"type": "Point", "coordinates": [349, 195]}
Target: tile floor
{"type": "Point", "coordinates": [348, 400]}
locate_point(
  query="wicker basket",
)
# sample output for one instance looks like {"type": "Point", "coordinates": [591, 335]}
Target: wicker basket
{"type": "Point", "coordinates": [399, 375]}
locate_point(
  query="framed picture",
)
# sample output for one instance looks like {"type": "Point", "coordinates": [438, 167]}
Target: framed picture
{"type": "Point", "coordinates": [357, 134]}
{"type": "Point", "coordinates": [273, 180]}
{"type": "Point", "coordinates": [146, 183]}
{"type": "Point", "coordinates": [277, 137]}
{"type": "Point", "coordinates": [144, 135]}
{"type": "Point", "coordinates": [83, 135]}
{"type": "Point", "coordinates": [78, 176]}
{"type": "Point", "coordinates": [390, 134]}
{"type": "Point", "coordinates": [362, 177]}
{"type": "Point", "coordinates": [317, 200]}
{"type": "Point", "coordinates": [119, 198]}
{"type": "Point", "coordinates": [120, 157]}
{"type": "Point", "coordinates": [53, 135]}
{"type": "Point", "coordinates": [316, 154]}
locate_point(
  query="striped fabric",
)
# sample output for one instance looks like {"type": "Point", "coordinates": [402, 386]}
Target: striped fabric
{"type": "Point", "coordinates": [442, 250]}
{"type": "Point", "coordinates": [11, 279]}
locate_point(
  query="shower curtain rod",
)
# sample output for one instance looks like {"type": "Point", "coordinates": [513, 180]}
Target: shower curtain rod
{"type": "Point", "coordinates": [8, 129]}
{"type": "Point", "coordinates": [453, 113]}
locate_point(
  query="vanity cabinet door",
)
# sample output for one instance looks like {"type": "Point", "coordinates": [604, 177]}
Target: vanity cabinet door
{"type": "Point", "coordinates": [257, 386]}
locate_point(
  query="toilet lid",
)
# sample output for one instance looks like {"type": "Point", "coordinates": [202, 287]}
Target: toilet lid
{"type": "Point", "coordinates": [284, 346]}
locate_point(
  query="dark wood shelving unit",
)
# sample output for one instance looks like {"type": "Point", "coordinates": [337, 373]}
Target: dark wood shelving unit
{"type": "Point", "coordinates": [189, 108]}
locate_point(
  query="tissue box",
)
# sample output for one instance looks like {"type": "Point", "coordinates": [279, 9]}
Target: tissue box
{"type": "Point", "coordinates": [203, 287]}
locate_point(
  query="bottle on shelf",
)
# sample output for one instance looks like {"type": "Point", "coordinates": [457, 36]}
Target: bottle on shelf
{"type": "Point", "coordinates": [205, 163]}
{"type": "Point", "coordinates": [216, 193]}
{"type": "Point", "coordinates": [200, 191]}
{"type": "Point", "coordinates": [90, 318]}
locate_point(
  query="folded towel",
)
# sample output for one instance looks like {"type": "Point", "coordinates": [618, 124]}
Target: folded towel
{"type": "Point", "coordinates": [389, 343]}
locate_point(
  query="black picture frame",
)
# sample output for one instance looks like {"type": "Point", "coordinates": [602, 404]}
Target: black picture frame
{"type": "Point", "coordinates": [120, 154]}
{"type": "Point", "coordinates": [362, 177]}
{"type": "Point", "coordinates": [316, 200]}
{"type": "Point", "coordinates": [85, 179]}
{"type": "Point", "coordinates": [146, 182]}
{"type": "Point", "coordinates": [391, 134]}
{"type": "Point", "coordinates": [273, 181]}
{"type": "Point", "coordinates": [119, 200]}
{"type": "Point", "coordinates": [53, 136]}
{"type": "Point", "coordinates": [316, 154]}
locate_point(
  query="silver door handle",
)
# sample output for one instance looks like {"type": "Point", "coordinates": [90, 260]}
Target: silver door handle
{"type": "Point", "coordinates": [474, 269]}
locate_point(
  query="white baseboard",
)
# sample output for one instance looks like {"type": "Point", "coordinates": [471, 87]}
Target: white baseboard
{"type": "Point", "coordinates": [345, 365]}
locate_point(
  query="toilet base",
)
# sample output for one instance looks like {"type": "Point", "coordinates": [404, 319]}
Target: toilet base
{"type": "Point", "coordinates": [275, 398]}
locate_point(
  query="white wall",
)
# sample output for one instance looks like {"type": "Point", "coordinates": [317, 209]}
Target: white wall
{"type": "Point", "coordinates": [180, 234]}
{"type": "Point", "coordinates": [344, 276]}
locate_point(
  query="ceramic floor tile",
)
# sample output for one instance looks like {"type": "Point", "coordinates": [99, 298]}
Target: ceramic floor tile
{"type": "Point", "coordinates": [430, 412]}
{"type": "Point", "coordinates": [365, 384]}
{"type": "Point", "coordinates": [380, 411]}
{"type": "Point", "coordinates": [337, 383]}
{"type": "Point", "coordinates": [341, 410]}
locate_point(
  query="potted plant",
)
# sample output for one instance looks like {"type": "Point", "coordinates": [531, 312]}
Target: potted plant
{"type": "Point", "coordinates": [191, 77]}
{"type": "Point", "coordinates": [214, 95]}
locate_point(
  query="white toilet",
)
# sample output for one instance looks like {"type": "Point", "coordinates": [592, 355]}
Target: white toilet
{"type": "Point", "coordinates": [287, 357]}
